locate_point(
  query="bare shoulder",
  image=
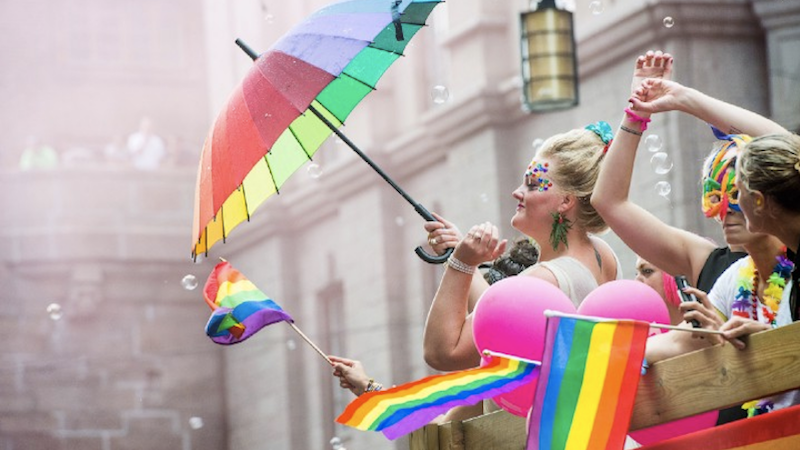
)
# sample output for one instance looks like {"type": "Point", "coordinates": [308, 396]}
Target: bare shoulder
{"type": "Point", "coordinates": [607, 255]}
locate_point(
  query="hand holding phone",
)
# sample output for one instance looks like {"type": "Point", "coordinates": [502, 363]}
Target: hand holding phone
{"type": "Point", "coordinates": [682, 282]}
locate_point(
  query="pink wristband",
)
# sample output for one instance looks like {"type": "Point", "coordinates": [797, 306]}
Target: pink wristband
{"type": "Point", "coordinates": [637, 118]}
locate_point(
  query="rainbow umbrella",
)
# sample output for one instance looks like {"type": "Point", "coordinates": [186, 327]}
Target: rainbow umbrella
{"type": "Point", "coordinates": [294, 96]}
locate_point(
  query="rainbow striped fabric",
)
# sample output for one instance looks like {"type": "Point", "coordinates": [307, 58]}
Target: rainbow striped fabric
{"type": "Point", "coordinates": [590, 373]}
{"type": "Point", "coordinates": [239, 308]}
{"type": "Point", "coordinates": [777, 430]}
{"type": "Point", "coordinates": [403, 409]}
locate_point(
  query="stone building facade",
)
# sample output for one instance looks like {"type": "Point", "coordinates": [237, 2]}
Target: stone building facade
{"type": "Point", "coordinates": [127, 365]}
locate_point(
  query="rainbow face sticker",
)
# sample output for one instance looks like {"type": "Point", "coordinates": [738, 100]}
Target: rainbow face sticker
{"type": "Point", "coordinates": [719, 178]}
{"type": "Point", "coordinates": [534, 176]}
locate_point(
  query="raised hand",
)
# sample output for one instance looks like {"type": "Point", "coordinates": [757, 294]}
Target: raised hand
{"type": "Point", "coordinates": [651, 65]}
{"type": "Point", "coordinates": [655, 95]}
{"type": "Point", "coordinates": [481, 244]}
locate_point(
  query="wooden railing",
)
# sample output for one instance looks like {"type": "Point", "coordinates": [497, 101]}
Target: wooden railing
{"type": "Point", "coordinates": [697, 382]}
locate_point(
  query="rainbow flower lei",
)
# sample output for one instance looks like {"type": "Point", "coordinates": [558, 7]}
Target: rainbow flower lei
{"type": "Point", "coordinates": [746, 305]}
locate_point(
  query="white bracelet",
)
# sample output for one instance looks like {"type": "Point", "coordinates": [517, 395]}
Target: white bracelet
{"type": "Point", "coordinates": [460, 266]}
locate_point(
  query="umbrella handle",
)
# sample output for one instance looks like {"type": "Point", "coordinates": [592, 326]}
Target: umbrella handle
{"type": "Point", "coordinates": [428, 258]}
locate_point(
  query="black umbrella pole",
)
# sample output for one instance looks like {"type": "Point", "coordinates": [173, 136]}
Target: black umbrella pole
{"type": "Point", "coordinates": [421, 210]}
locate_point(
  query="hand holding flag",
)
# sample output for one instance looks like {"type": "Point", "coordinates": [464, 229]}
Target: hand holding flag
{"type": "Point", "coordinates": [240, 309]}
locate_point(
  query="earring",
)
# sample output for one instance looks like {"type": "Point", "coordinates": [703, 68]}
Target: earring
{"type": "Point", "coordinates": [758, 202]}
{"type": "Point", "coordinates": [561, 225]}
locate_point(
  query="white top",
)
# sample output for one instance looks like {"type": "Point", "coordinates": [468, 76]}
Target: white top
{"type": "Point", "coordinates": [722, 296]}
{"type": "Point", "coordinates": [573, 278]}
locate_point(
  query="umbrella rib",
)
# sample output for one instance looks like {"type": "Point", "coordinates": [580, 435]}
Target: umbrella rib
{"type": "Point", "coordinates": [301, 143]}
{"type": "Point", "coordinates": [244, 199]}
{"type": "Point", "coordinates": [272, 175]}
{"type": "Point", "coordinates": [360, 81]}
{"type": "Point", "coordinates": [222, 219]}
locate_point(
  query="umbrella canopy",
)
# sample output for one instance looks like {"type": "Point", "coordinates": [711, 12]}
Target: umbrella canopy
{"type": "Point", "coordinates": [327, 65]}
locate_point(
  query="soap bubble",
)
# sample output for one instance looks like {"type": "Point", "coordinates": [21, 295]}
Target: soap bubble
{"type": "Point", "coordinates": [663, 188]}
{"type": "Point", "coordinates": [314, 170]}
{"type": "Point", "coordinates": [440, 94]}
{"type": "Point", "coordinates": [54, 310]}
{"type": "Point", "coordinates": [669, 22]}
{"type": "Point", "coordinates": [484, 198]}
{"type": "Point", "coordinates": [661, 163]}
{"type": "Point", "coordinates": [291, 344]}
{"type": "Point", "coordinates": [653, 143]}
{"type": "Point", "coordinates": [196, 422]}
{"type": "Point", "coordinates": [399, 221]}
{"type": "Point", "coordinates": [189, 282]}
{"type": "Point", "coordinates": [596, 7]}
{"type": "Point", "coordinates": [269, 18]}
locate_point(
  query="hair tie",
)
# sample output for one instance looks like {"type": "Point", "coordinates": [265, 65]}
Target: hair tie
{"type": "Point", "coordinates": [603, 130]}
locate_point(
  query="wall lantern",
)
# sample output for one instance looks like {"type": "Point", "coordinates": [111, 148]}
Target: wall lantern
{"type": "Point", "coordinates": [549, 64]}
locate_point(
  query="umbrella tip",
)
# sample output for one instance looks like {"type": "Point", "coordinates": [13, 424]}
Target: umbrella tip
{"type": "Point", "coordinates": [223, 259]}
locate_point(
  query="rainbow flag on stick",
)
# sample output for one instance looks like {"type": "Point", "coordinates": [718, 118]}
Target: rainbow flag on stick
{"type": "Point", "coordinates": [585, 394]}
{"type": "Point", "coordinates": [239, 308]}
{"type": "Point", "coordinates": [403, 409]}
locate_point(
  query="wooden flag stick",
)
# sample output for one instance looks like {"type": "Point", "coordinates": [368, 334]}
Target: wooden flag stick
{"type": "Point", "coordinates": [314, 346]}
{"type": "Point", "coordinates": [550, 313]}
{"type": "Point", "coordinates": [504, 355]}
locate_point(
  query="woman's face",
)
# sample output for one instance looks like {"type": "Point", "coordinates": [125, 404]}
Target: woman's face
{"type": "Point", "coordinates": [753, 224]}
{"type": "Point", "coordinates": [537, 199]}
{"type": "Point", "coordinates": [650, 275]}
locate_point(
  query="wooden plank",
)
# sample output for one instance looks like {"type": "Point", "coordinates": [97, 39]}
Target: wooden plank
{"type": "Point", "coordinates": [719, 377]}
{"type": "Point", "coordinates": [426, 438]}
{"type": "Point", "coordinates": [499, 429]}
{"type": "Point", "coordinates": [451, 436]}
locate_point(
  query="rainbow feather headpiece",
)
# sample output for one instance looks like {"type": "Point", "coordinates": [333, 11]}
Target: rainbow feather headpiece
{"type": "Point", "coordinates": [719, 175]}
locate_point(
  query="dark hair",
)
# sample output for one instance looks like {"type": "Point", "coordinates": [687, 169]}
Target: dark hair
{"type": "Point", "coordinates": [523, 254]}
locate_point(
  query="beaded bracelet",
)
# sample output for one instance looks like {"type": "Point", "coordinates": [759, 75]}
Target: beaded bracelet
{"type": "Point", "coordinates": [460, 266]}
{"type": "Point", "coordinates": [372, 386]}
{"type": "Point", "coordinates": [637, 118]}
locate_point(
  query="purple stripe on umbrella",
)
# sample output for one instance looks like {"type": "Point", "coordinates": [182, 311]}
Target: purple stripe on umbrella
{"type": "Point", "coordinates": [362, 27]}
{"type": "Point", "coordinates": [331, 54]}
{"type": "Point", "coordinates": [362, 6]}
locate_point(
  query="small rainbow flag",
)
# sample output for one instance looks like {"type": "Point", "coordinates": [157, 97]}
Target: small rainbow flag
{"type": "Point", "coordinates": [239, 308]}
{"type": "Point", "coordinates": [405, 408]}
{"type": "Point", "coordinates": [585, 394]}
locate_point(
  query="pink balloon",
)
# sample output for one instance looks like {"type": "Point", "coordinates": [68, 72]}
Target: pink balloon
{"type": "Point", "coordinates": [675, 428]}
{"type": "Point", "coordinates": [626, 299]}
{"type": "Point", "coordinates": [509, 318]}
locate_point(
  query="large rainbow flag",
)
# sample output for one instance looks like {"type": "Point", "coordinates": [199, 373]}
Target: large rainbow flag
{"type": "Point", "coordinates": [405, 408]}
{"type": "Point", "coordinates": [239, 308]}
{"type": "Point", "coordinates": [586, 390]}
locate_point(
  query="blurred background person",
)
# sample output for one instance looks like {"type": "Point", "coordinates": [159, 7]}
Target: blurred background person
{"type": "Point", "coordinates": [38, 155]}
{"type": "Point", "coordinates": [146, 149]}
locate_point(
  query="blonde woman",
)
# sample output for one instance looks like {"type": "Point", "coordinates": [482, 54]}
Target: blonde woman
{"type": "Point", "coordinates": [553, 209]}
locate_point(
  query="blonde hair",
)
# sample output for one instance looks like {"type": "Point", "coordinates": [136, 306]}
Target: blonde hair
{"type": "Point", "coordinates": [577, 155]}
{"type": "Point", "coordinates": [771, 165]}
